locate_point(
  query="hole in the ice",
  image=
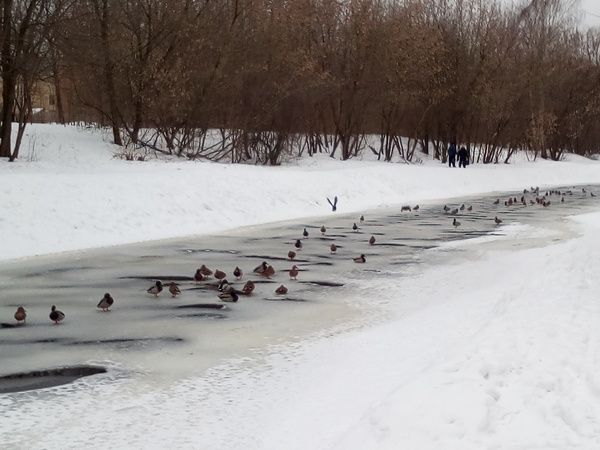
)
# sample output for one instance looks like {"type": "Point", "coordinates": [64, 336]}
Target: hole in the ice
{"type": "Point", "coordinates": [58, 270]}
{"type": "Point", "coordinates": [323, 283]}
{"type": "Point", "coordinates": [39, 379]}
{"type": "Point", "coordinates": [420, 247]}
{"type": "Point", "coordinates": [263, 257]}
{"type": "Point", "coordinates": [204, 305]}
{"type": "Point", "coordinates": [206, 315]}
{"type": "Point", "coordinates": [128, 342]}
{"type": "Point", "coordinates": [158, 277]}
{"type": "Point", "coordinates": [209, 250]}
{"type": "Point", "coordinates": [284, 299]}
{"type": "Point", "coordinates": [321, 263]}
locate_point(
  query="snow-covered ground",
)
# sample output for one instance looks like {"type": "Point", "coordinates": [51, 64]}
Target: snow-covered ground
{"type": "Point", "coordinates": [492, 343]}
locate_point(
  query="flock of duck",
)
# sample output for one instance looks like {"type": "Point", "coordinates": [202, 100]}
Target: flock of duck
{"type": "Point", "coordinates": [227, 293]}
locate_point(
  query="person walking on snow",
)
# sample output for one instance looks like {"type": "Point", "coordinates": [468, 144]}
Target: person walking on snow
{"type": "Point", "coordinates": [452, 155]}
{"type": "Point", "coordinates": [463, 157]}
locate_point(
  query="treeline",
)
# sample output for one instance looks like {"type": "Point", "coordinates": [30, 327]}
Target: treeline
{"type": "Point", "coordinates": [271, 77]}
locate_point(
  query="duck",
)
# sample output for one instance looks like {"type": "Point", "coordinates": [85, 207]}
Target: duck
{"type": "Point", "coordinates": [372, 240]}
{"type": "Point", "coordinates": [360, 259]}
{"type": "Point", "coordinates": [305, 233]}
{"type": "Point", "coordinates": [268, 272]}
{"type": "Point", "coordinates": [498, 221]}
{"type": "Point", "coordinates": [355, 227]}
{"type": "Point", "coordinates": [106, 302]}
{"type": "Point", "coordinates": [462, 207]}
{"type": "Point", "coordinates": [323, 229]}
{"type": "Point", "coordinates": [497, 201]}
{"type": "Point", "coordinates": [281, 290]}
{"type": "Point", "coordinates": [198, 276]}
{"type": "Point", "coordinates": [156, 289]}
{"type": "Point", "coordinates": [291, 255]}
{"type": "Point", "coordinates": [446, 208]}
{"type": "Point", "coordinates": [333, 248]}
{"type": "Point", "coordinates": [56, 315]}
{"type": "Point", "coordinates": [416, 208]}
{"type": "Point", "coordinates": [298, 244]}
{"type": "Point", "coordinates": [224, 286]}
{"type": "Point", "coordinates": [248, 287]}
{"type": "Point", "coordinates": [405, 208]}
{"type": "Point", "coordinates": [294, 273]}
{"type": "Point", "coordinates": [470, 208]}
{"type": "Point", "coordinates": [238, 273]}
{"type": "Point", "coordinates": [261, 268]}
{"type": "Point", "coordinates": [205, 271]}
{"type": "Point", "coordinates": [21, 315]}
{"type": "Point", "coordinates": [174, 289]}
{"type": "Point", "coordinates": [219, 274]}
{"type": "Point", "coordinates": [229, 296]}
{"type": "Point", "coordinates": [456, 223]}
{"type": "Point", "coordinates": [361, 218]}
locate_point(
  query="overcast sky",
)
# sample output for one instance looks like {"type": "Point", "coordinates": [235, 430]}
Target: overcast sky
{"type": "Point", "coordinates": [591, 9]}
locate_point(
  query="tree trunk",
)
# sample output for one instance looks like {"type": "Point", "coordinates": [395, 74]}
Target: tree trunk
{"type": "Point", "coordinates": [8, 81]}
{"type": "Point", "coordinates": [60, 110]}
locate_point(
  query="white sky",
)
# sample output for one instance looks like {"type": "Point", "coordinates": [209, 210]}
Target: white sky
{"type": "Point", "coordinates": [591, 9]}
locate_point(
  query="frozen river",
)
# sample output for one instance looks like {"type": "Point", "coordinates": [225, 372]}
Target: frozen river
{"type": "Point", "coordinates": [164, 339]}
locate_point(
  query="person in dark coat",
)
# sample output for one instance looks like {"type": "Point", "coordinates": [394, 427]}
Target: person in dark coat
{"type": "Point", "coordinates": [463, 157]}
{"type": "Point", "coordinates": [452, 155]}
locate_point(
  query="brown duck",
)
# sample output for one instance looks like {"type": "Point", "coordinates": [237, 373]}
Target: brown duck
{"type": "Point", "coordinates": [21, 315]}
{"type": "Point", "coordinates": [281, 290]}
{"type": "Point", "coordinates": [248, 288]}
{"type": "Point", "coordinates": [174, 289]}
{"type": "Point", "coordinates": [219, 274]}
{"type": "Point", "coordinates": [205, 271]}
{"type": "Point", "coordinates": [268, 272]}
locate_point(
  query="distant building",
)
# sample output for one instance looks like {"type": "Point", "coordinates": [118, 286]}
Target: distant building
{"type": "Point", "coordinates": [43, 102]}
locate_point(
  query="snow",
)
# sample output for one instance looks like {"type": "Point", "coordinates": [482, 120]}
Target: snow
{"type": "Point", "coordinates": [490, 342]}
